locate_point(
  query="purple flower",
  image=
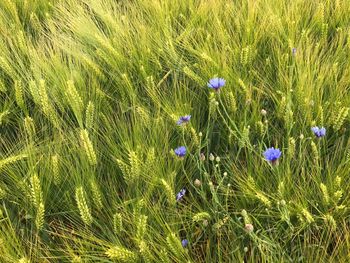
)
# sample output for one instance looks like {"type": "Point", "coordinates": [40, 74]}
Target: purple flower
{"type": "Point", "coordinates": [180, 151]}
{"type": "Point", "coordinates": [183, 119]}
{"type": "Point", "coordinates": [294, 51]}
{"type": "Point", "coordinates": [272, 154]}
{"type": "Point", "coordinates": [319, 132]}
{"type": "Point", "coordinates": [184, 243]}
{"type": "Point", "coordinates": [180, 194]}
{"type": "Point", "coordinates": [216, 83]}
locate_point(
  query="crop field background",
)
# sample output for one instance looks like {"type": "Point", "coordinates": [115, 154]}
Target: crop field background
{"type": "Point", "coordinates": [174, 131]}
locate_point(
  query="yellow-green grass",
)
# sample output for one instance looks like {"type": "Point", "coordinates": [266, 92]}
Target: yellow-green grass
{"type": "Point", "coordinates": [90, 93]}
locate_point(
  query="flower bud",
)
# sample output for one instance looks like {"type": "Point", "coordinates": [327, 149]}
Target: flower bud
{"type": "Point", "coordinates": [211, 157]}
{"type": "Point", "coordinates": [249, 228]}
{"type": "Point", "coordinates": [197, 183]}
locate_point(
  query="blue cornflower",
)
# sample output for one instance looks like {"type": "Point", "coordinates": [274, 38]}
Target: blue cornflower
{"type": "Point", "coordinates": [319, 132]}
{"type": "Point", "coordinates": [180, 151]}
{"type": "Point", "coordinates": [180, 194]}
{"type": "Point", "coordinates": [272, 154]}
{"type": "Point", "coordinates": [184, 243]}
{"type": "Point", "coordinates": [216, 83]}
{"type": "Point", "coordinates": [183, 119]}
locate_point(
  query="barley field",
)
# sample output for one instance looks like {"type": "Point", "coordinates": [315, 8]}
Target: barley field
{"type": "Point", "coordinates": [174, 131]}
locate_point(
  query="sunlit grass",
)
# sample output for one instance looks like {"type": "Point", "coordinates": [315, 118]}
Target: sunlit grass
{"type": "Point", "coordinates": [90, 95]}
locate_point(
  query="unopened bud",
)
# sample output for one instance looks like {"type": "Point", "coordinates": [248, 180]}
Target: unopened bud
{"type": "Point", "coordinates": [197, 183]}
{"type": "Point", "coordinates": [249, 228]}
{"type": "Point", "coordinates": [211, 157]}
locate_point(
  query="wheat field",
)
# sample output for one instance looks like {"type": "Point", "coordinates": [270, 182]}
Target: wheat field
{"type": "Point", "coordinates": [174, 131]}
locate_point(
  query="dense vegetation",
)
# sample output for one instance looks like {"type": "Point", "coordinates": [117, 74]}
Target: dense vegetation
{"type": "Point", "coordinates": [91, 94]}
